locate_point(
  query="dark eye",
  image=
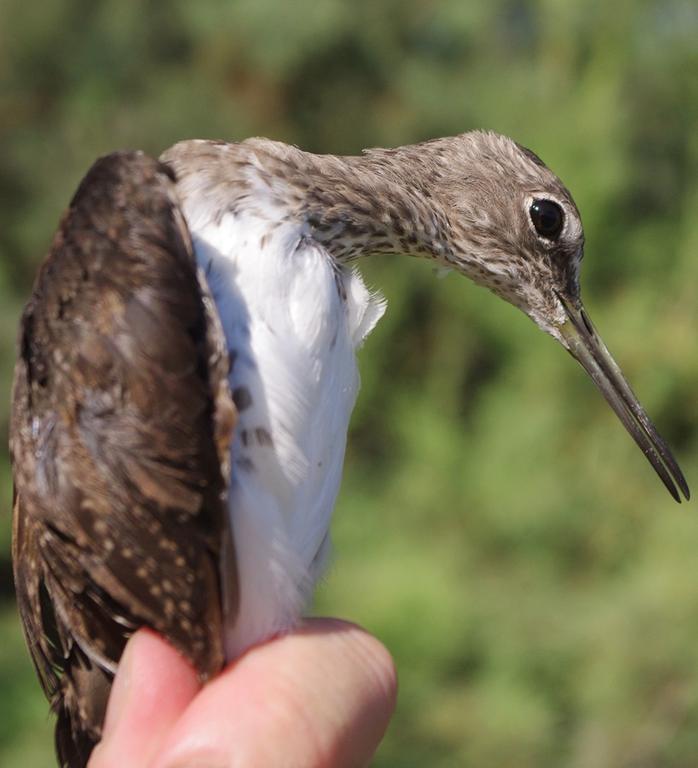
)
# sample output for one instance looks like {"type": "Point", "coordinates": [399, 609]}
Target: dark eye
{"type": "Point", "coordinates": [547, 218]}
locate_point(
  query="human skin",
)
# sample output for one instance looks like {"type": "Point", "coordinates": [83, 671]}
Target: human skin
{"type": "Point", "coordinates": [318, 697]}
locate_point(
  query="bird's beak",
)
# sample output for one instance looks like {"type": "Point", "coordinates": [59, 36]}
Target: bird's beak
{"type": "Point", "coordinates": [585, 345]}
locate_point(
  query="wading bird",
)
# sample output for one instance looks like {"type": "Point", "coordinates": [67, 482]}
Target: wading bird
{"type": "Point", "coordinates": [187, 371]}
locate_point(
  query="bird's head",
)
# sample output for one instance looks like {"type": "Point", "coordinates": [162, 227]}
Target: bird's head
{"type": "Point", "coordinates": [515, 229]}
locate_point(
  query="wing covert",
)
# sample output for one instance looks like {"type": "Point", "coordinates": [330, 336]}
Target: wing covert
{"type": "Point", "coordinates": [119, 438]}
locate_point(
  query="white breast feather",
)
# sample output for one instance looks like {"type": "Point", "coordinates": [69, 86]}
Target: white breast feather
{"type": "Point", "coordinates": [293, 338]}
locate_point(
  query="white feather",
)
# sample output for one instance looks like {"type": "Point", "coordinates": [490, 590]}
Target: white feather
{"type": "Point", "coordinates": [293, 337]}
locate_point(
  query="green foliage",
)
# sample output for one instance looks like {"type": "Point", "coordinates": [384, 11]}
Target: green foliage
{"type": "Point", "coordinates": [497, 529]}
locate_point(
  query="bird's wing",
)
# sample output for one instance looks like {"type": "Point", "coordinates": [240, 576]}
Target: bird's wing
{"type": "Point", "coordinates": [120, 440]}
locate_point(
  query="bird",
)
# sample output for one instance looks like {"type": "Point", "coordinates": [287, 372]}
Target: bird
{"type": "Point", "coordinates": [187, 370]}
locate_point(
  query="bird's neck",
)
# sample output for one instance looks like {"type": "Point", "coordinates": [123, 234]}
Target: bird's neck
{"type": "Point", "coordinates": [379, 202]}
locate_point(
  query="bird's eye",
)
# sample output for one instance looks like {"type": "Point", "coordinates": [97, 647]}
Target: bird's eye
{"type": "Point", "coordinates": [547, 218]}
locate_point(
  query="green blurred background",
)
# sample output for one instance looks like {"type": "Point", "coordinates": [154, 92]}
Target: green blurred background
{"type": "Point", "coordinates": [497, 528]}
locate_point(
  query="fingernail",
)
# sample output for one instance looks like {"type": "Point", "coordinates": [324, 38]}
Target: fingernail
{"type": "Point", "coordinates": [200, 762]}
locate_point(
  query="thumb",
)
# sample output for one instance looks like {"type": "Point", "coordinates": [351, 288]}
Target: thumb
{"type": "Point", "coordinates": [320, 696]}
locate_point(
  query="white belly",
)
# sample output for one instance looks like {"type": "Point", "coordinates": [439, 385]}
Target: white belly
{"type": "Point", "coordinates": [292, 321]}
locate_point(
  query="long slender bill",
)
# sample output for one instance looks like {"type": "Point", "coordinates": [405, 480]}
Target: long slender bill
{"type": "Point", "coordinates": [586, 346]}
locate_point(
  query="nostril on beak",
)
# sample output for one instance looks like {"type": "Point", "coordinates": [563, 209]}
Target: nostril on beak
{"type": "Point", "coordinates": [587, 323]}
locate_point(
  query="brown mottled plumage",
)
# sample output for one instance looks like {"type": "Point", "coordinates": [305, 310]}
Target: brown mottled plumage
{"type": "Point", "coordinates": [458, 200]}
{"type": "Point", "coordinates": [122, 417]}
{"type": "Point", "coordinates": [119, 439]}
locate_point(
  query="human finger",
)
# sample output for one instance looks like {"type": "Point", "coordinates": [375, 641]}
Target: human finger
{"type": "Point", "coordinates": [319, 697]}
{"type": "Point", "coordinates": [153, 686]}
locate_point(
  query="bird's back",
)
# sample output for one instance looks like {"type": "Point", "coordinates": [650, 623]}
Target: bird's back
{"type": "Point", "coordinates": [118, 441]}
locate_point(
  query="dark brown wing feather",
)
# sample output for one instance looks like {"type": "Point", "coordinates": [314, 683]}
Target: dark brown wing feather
{"type": "Point", "coordinates": [119, 438]}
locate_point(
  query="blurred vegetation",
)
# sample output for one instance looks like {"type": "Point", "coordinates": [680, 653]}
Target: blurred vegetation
{"type": "Point", "coordinates": [497, 529]}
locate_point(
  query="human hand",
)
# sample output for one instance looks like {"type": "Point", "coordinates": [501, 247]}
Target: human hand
{"type": "Point", "coordinates": [319, 697]}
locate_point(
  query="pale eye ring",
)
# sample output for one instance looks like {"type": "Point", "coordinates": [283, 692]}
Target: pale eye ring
{"type": "Point", "coordinates": [547, 218]}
